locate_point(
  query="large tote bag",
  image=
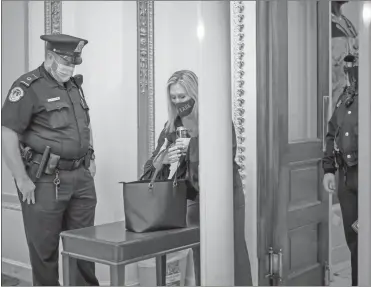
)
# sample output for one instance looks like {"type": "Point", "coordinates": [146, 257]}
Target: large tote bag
{"type": "Point", "coordinates": [155, 205]}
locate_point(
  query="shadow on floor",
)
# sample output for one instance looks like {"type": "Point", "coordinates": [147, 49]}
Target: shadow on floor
{"type": "Point", "coordinates": [11, 281]}
{"type": "Point", "coordinates": [8, 281]}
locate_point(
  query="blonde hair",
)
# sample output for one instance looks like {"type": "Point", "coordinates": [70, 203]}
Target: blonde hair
{"type": "Point", "coordinates": [189, 81]}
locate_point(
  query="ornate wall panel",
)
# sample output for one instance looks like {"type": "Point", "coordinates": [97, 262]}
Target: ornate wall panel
{"type": "Point", "coordinates": [53, 17]}
{"type": "Point", "coordinates": [239, 83]}
{"type": "Point", "coordinates": [146, 96]}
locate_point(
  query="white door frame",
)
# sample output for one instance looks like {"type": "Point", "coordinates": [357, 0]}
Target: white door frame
{"type": "Point", "coordinates": [364, 198]}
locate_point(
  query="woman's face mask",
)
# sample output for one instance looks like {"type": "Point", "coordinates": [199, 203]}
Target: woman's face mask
{"type": "Point", "coordinates": [60, 71]}
{"type": "Point", "coordinates": [185, 108]}
{"type": "Point", "coordinates": [182, 101]}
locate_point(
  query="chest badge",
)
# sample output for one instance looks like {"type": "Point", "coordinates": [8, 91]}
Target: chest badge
{"type": "Point", "coordinates": [16, 94]}
{"type": "Point", "coordinates": [54, 99]}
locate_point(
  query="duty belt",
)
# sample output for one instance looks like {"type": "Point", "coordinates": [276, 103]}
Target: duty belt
{"type": "Point", "coordinates": [63, 164]}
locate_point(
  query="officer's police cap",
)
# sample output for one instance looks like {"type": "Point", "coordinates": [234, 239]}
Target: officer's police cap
{"type": "Point", "coordinates": [67, 46]}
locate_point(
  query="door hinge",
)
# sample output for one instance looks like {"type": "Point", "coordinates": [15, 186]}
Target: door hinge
{"type": "Point", "coordinates": [275, 265]}
{"type": "Point", "coordinates": [327, 274]}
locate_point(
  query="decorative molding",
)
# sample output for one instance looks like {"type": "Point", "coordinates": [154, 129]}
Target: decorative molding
{"type": "Point", "coordinates": [53, 17]}
{"type": "Point", "coordinates": [146, 95]}
{"type": "Point", "coordinates": [239, 84]}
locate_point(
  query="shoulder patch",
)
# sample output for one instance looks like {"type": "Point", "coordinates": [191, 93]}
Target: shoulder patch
{"type": "Point", "coordinates": [15, 94]}
{"type": "Point", "coordinates": [29, 78]}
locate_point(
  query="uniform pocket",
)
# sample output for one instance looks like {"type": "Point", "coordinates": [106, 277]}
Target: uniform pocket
{"type": "Point", "coordinates": [58, 114]}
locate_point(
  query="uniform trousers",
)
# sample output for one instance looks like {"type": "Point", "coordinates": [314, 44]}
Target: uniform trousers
{"type": "Point", "coordinates": [242, 268]}
{"type": "Point", "coordinates": [72, 207]}
{"type": "Point", "coordinates": [348, 199]}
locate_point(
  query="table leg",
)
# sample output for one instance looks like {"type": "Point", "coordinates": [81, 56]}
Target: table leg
{"type": "Point", "coordinates": [197, 264]}
{"type": "Point", "coordinates": [69, 270]}
{"type": "Point", "coordinates": [117, 273]}
{"type": "Point", "coordinates": [161, 270]}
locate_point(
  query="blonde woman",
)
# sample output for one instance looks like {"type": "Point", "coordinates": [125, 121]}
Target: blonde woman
{"type": "Point", "coordinates": [182, 96]}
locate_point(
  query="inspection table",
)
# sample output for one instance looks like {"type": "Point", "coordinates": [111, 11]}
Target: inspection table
{"type": "Point", "coordinates": [111, 244]}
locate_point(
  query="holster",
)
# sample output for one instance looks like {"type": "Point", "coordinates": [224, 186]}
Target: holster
{"type": "Point", "coordinates": [37, 164]}
{"type": "Point", "coordinates": [30, 166]}
{"type": "Point", "coordinates": [31, 170]}
{"type": "Point", "coordinates": [52, 164]}
{"type": "Point", "coordinates": [87, 158]}
{"type": "Point", "coordinates": [339, 159]}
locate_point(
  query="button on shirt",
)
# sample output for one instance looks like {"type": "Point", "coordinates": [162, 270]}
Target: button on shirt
{"type": "Point", "coordinates": [347, 138]}
{"type": "Point", "coordinates": [49, 114]}
{"type": "Point", "coordinates": [342, 134]}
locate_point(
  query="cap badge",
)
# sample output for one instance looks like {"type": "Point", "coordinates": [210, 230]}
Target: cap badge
{"type": "Point", "coordinates": [79, 47]}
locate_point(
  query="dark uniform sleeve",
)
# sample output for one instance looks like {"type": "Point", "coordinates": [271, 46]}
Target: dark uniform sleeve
{"type": "Point", "coordinates": [17, 111]}
{"type": "Point", "coordinates": [149, 169]}
{"type": "Point", "coordinates": [328, 161]}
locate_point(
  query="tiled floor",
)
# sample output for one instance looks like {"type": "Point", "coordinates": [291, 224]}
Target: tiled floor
{"type": "Point", "coordinates": [341, 278]}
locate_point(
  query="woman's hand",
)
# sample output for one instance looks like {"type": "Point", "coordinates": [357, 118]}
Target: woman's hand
{"type": "Point", "coordinates": [172, 155]}
{"type": "Point", "coordinates": [182, 144]}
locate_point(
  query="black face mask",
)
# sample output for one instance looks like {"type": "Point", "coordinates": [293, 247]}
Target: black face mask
{"type": "Point", "coordinates": [185, 108]}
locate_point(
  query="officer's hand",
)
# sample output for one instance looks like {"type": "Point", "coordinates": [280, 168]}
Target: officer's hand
{"type": "Point", "coordinates": [92, 168]}
{"type": "Point", "coordinates": [173, 155]}
{"type": "Point", "coordinates": [182, 143]}
{"type": "Point", "coordinates": [27, 188]}
{"type": "Point", "coordinates": [329, 182]}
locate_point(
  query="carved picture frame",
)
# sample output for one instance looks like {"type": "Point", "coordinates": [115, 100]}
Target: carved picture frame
{"type": "Point", "coordinates": [146, 83]}
{"type": "Point", "coordinates": [238, 84]}
{"type": "Point", "coordinates": [53, 17]}
{"type": "Point", "coordinates": [146, 95]}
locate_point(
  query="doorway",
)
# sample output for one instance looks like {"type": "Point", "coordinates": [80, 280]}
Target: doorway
{"type": "Point", "coordinates": [293, 99]}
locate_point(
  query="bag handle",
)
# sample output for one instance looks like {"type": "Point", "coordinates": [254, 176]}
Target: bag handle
{"type": "Point", "coordinates": [160, 157]}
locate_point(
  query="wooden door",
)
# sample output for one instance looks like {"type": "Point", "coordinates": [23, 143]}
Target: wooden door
{"type": "Point", "coordinates": [293, 87]}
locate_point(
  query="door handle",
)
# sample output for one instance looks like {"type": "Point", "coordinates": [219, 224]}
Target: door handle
{"type": "Point", "coordinates": [325, 119]}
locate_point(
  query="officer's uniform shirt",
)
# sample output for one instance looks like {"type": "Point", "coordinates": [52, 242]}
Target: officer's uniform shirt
{"type": "Point", "coordinates": [342, 134]}
{"type": "Point", "coordinates": [45, 113]}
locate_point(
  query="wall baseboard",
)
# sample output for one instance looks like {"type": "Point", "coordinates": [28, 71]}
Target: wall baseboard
{"type": "Point", "coordinates": [16, 269]}
{"type": "Point", "coordinates": [10, 201]}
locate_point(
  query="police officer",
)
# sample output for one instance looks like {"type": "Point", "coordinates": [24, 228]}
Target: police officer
{"type": "Point", "coordinates": [342, 155]}
{"type": "Point", "coordinates": [48, 149]}
{"type": "Point", "coordinates": [344, 41]}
